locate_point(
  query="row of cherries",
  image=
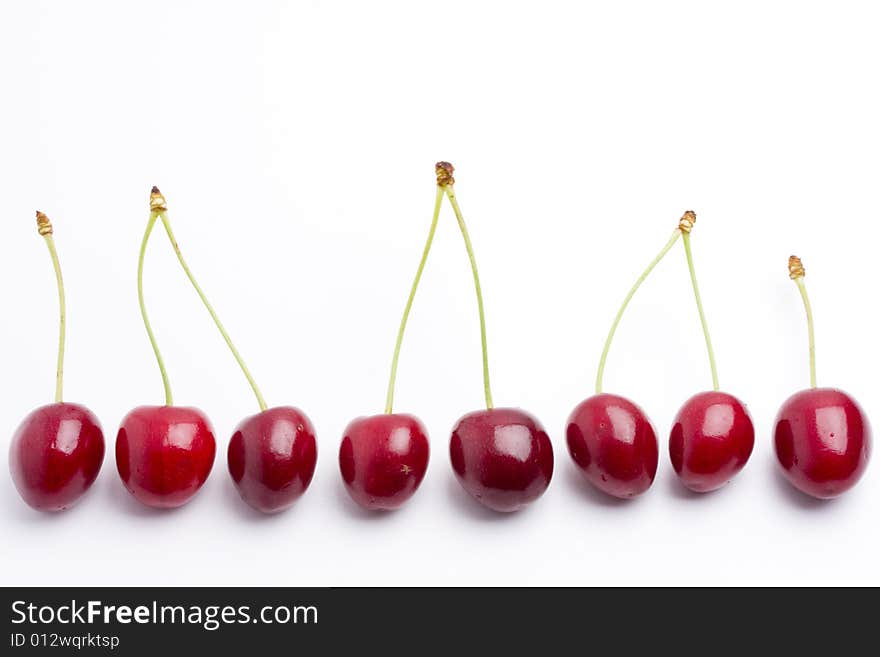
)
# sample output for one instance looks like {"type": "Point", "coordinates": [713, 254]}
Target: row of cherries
{"type": "Point", "coordinates": [503, 457]}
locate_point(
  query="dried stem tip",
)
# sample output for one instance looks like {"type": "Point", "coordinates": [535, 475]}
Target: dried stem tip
{"type": "Point", "coordinates": [157, 201]}
{"type": "Point", "coordinates": [687, 221]}
{"type": "Point", "coordinates": [444, 171]}
{"type": "Point", "coordinates": [795, 268]}
{"type": "Point", "coordinates": [44, 226]}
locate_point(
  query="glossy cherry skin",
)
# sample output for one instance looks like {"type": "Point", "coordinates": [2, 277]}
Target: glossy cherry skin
{"type": "Point", "coordinates": [272, 457]}
{"type": "Point", "coordinates": [711, 440]}
{"type": "Point", "coordinates": [55, 455]}
{"type": "Point", "coordinates": [823, 441]}
{"type": "Point", "coordinates": [614, 445]}
{"type": "Point", "coordinates": [383, 459]}
{"type": "Point", "coordinates": [164, 454]}
{"type": "Point", "coordinates": [502, 457]}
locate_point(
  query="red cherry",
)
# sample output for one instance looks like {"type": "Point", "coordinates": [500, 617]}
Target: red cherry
{"type": "Point", "coordinates": [613, 444]}
{"type": "Point", "coordinates": [383, 459]}
{"type": "Point", "coordinates": [822, 436]}
{"type": "Point", "coordinates": [711, 440]}
{"type": "Point", "coordinates": [272, 458]}
{"type": "Point", "coordinates": [823, 441]}
{"type": "Point", "coordinates": [502, 457]}
{"type": "Point", "coordinates": [164, 454]}
{"type": "Point", "coordinates": [57, 450]}
{"type": "Point", "coordinates": [55, 455]}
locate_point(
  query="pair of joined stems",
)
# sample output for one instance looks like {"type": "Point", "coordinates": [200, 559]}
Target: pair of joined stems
{"type": "Point", "coordinates": [449, 191]}
{"type": "Point", "coordinates": [684, 234]}
{"type": "Point", "coordinates": [161, 213]}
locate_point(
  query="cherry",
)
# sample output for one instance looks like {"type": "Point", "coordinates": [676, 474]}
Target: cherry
{"type": "Point", "coordinates": [823, 441]}
{"type": "Point", "coordinates": [383, 459]}
{"type": "Point", "coordinates": [610, 439]}
{"type": "Point", "coordinates": [712, 436]}
{"type": "Point", "coordinates": [272, 457]}
{"type": "Point", "coordinates": [55, 456]}
{"type": "Point", "coordinates": [614, 445]}
{"type": "Point", "coordinates": [502, 457]}
{"type": "Point", "coordinates": [711, 440]}
{"type": "Point", "coordinates": [164, 454]}
{"type": "Point", "coordinates": [57, 451]}
{"type": "Point", "coordinates": [822, 436]}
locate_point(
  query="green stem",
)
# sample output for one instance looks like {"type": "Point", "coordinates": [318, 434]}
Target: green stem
{"type": "Point", "coordinates": [169, 401]}
{"type": "Point", "coordinates": [450, 192]}
{"type": "Point", "coordinates": [803, 290]}
{"type": "Point", "coordinates": [62, 306]}
{"type": "Point", "coordinates": [389, 400]}
{"type": "Point", "coordinates": [217, 322]}
{"type": "Point", "coordinates": [690, 259]}
{"type": "Point", "coordinates": [627, 299]}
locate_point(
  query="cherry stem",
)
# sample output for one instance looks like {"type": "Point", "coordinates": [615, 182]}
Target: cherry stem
{"type": "Point", "coordinates": [262, 402]}
{"type": "Point", "coordinates": [450, 193]}
{"type": "Point", "coordinates": [686, 238]}
{"type": "Point", "coordinates": [627, 299]}
{"type": "Point", "coordinates": [796, 270]}
{"type": "Point", "coordinates": [389, 400]}
{"type": "Point", "coordinates": [169, 401]}
{"type": "Point", "coordinates": [44, 226]}
{"type": "Point", "coordinates": [803, 290]}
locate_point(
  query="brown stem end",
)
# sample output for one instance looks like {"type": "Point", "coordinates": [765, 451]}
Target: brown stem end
{"type": "Point", "coordinates": [44, 225]}
{"type": "Point", "coordinates": [444, 171]}
{"type": "Point", "coordinates": [157, 201]}
{"type": "Point", "coordinates": [687, 221]}
{"type": "Point", "coordinates": [795, 268]}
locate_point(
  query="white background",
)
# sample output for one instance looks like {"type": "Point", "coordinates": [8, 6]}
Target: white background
{"type": "Point", "coordinates": [295, 144]}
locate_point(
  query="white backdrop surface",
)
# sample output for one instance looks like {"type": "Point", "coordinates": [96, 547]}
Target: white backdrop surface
{"type": "Point", "coordinates": [295, 143]}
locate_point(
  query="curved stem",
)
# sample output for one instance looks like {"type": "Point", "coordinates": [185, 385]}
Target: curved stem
{"type": "Point", "coordinates": [62, 307]}
{"type": "Point", "coordinates": [687, 249]}
{"type": "Point", "coordinates": [217, 322]}
{"type": "Point", "coordinates": [803, 290]}
{"type": "Point", "coordinates": [627, 299]}
{"type": "Point", "coordinates": [389, 399]}
{"type": "Point", "coordinates": [450, 192]}
{"type": "Point", "coordinates": [169, 401]}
